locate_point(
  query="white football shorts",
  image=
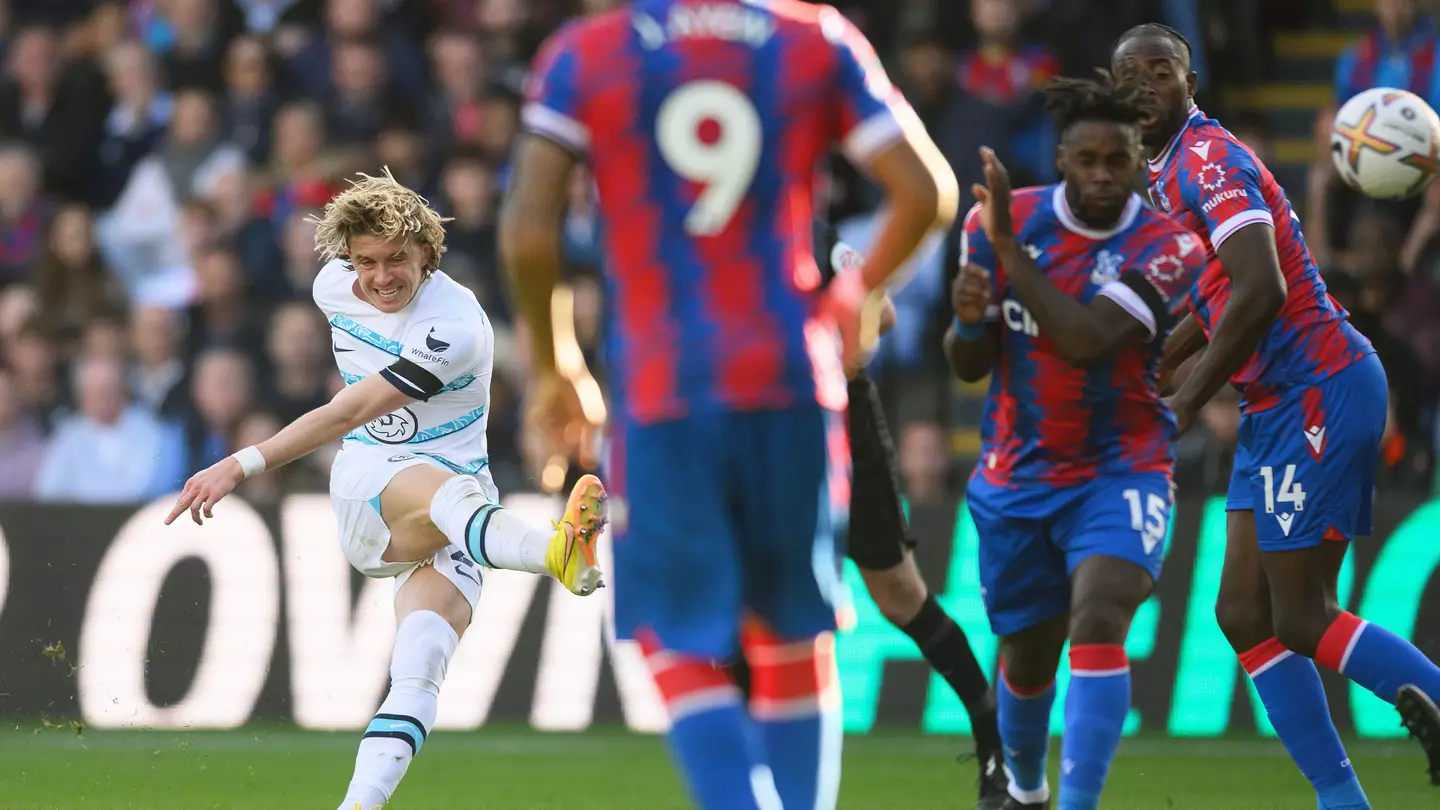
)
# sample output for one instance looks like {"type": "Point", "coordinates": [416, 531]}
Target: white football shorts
{"type": "Point", "coordinates": [358, 476]}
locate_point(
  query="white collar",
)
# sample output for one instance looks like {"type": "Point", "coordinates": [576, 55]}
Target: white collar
{"type": "Point", "coordinates": [1159, 161]}
{"type": "Point", "coordinates": [1073, 224]}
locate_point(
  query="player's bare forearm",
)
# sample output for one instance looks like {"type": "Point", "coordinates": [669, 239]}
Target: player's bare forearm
{"type": "Point", "coordinates": [971, 360]}
{"type": "Point", "coordinates": [530, 240]}
{"type": "Point", "coordinates": [1082, 333]}
{"type": "Point", "coordinates": [363, 402]}
{"type": "Point", "coordinates": [921, 195]}
{"type": "Point", "coordinates": [1257, 295]}
{"type": "Point", "coordinates": [1185, 340]}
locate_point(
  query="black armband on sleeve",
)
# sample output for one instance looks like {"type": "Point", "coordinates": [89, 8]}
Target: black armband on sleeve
{"type": "Point", "coordinates": [412, 380]}
{"type": "Point", "coordinates": [1136, 280]}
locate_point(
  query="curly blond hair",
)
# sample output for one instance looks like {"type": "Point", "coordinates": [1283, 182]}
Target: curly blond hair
{"type": "Point", "coordinates": [383, 208]}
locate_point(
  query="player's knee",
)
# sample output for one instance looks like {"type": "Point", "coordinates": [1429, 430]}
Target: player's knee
{"type": "Point", "coordinates": [1244, 622]}
{"type": "Point", "coordinates": [424, 642]}
{"type": "Point", "coordinates": [1300, 630]}
{"type": "Point", "coordinates": [898, 592]}
{"type": "Point", "coordinates": [1100, 621]}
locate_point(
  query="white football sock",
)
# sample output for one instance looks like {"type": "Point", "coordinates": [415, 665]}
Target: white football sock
{"type": "Point", "coordinates": [424, 643]}
{"type": "Point", "coordinates": [491, 536]}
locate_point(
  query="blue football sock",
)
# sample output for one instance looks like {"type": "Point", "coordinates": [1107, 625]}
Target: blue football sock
{"type": "Point", "coordinates": [1095, 709]}
{"type": "Point", "coordinates": [795, 701]}
{"type": "Point", "coordinates": [711, 736]}
{"type": "Point", "coordinates": [1376, 658]}
{"type": "Point", "coordinates": [1025, 732]}
{"type": "Point", "coordinates": [1294, 698]}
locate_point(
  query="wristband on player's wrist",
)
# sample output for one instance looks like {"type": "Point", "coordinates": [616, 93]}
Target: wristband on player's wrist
{"type": "Point", "coordinates": [968, 332]}
{"type": "Point", "coordinates": [252, 461]}
{"type": "Point", "coordinates": [849, 288]}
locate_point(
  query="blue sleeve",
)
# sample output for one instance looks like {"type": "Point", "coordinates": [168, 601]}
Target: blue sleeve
{"type": "Point", "coordinates": [1344, 73]}
{"type": "Point", "coordinates": [553, 93]}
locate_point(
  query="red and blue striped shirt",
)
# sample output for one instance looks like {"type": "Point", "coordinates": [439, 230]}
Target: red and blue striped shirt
{"type": "Point", "coordinates": [706, 124]}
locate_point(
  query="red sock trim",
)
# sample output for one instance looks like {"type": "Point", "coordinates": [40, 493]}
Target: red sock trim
{"type": "Point", "coordinates": [678, 676]}
{"type": "Point", "coordinates": [1262, 655]}
{"type": "Point", "coordinates": [1021, 692]}
{"type": "Point", "coordinates": [788, 672]}
{"type": "Point", "coordinates": [1098, 659]}
{"type": "Point", "coordinates": [1335, 644]}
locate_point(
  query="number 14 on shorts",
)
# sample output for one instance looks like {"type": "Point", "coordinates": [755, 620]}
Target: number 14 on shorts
{"type": "Point", "coordinates": [1290, 495]}
{"type": "Point", "coordinates": [1152, 520]}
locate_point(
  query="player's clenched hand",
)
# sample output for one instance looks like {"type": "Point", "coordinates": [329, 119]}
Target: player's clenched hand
{"type": "Point", "coordinates": [970, 294]}
{"type": "Point", "coordinates": [206, 488]}
{"type": "Point", "coordinates": [994, 197]}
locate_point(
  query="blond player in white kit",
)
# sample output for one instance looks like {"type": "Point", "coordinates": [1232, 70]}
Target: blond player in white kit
{"type": "Point", "coordinates": [411, 485]}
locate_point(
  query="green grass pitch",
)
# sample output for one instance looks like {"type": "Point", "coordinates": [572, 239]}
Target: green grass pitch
{"type": "Point", "coordinates": [605, 768]}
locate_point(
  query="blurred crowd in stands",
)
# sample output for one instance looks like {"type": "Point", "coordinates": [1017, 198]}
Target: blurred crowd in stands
{"type": "Point", "coordinates": [159, 160]}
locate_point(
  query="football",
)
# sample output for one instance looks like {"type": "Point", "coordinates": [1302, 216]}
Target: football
{"type": "Point", "coordinates": [1386, 143]}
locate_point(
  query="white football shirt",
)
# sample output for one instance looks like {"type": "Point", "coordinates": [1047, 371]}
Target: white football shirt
{"type": "Point", "coordinates": [439, 350]}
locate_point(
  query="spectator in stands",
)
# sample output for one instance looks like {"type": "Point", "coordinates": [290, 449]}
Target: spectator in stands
{"type": "Point", "coordinates": [353, 19]}
{"type": "Point", "coordinates": [23, 214]}
{"type": "Point", "coordinates": [401, 148]}
{"type": "Point", "coordinates": [58, 114]}
{"type": "Point", "coordinates": [1004, 74]}
{"type": "Point", "coordinates": [109, 452]}
{"type": "Point", "coordinates": [190, 38]}
{"type": "Point", "coordinates": [31, 357]}
{"type": "Point", "coordinates": [298, 354]}
{"type": "Point", "coordinates": [158, 376]}
{"type": "Point", "coordinates": [249, 98]}
{"type": "Point", "coordinates": [142, 235]}
{"type": "Point", "coordinates": [19, 309]}
{"type": "Point", "coordinates": [105, 335]}
{"type": "Point", "coordinates": [468, 194]}
{"type": "Point", "coordinates": [74, 285]}
{"type": "Point", "coordinates": [224, 314]}
{"type": "Point", "coordinates": [297, 248]}
{"type": "Point", "coordinates": [461, 76]}
{"type": "Point", "coordinates": [253, 235]}
{"type": "Point", "coordinates": [22, 444]}
{"type": "Point", "coordinates": [304, 171]}
{"type": "Point", "coordinates": [223, 390]}
{"type": "Point", "coordinates": [360, 101]}
{"type": "Point", "coordinates": [499, 124]}
{"type": "Point", "coordinates": [1399, 52]}
{"type": "Point", "coordinates": [137, 121]}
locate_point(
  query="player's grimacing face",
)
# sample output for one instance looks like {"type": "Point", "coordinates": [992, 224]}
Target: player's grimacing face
{"type": "Point", "coordinates": [387, 271]}
{"type": "Point", "coordinates": [1100, 161]}
{"type": "Point", "coordinates": [1154, 62]}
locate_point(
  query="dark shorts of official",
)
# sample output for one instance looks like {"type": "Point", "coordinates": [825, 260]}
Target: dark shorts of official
{"type": "Point", "coordinates": [877, 536]}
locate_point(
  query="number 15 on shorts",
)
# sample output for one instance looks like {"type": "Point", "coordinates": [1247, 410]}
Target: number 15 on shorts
{"type": "Point", "coordinates": [1149, 515]}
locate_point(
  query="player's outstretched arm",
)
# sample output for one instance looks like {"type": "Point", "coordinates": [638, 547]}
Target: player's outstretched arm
{"type": "Point", "coordinates": [363, 402]}
{"type": "Point", "coordinates": [1081, 333]}
{"type": "Point", "coordinates": [1186, 339]}
{"type": "Point", "coordinates": [565, 404]}
{"type": "Point", "coordinates": [1257, 295]}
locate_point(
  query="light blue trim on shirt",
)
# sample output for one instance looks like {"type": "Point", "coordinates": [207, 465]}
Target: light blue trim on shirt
{"type": "Point", "coordinates": [368, 335]}
{"type": "Point", "coordinates": [468, 469]}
